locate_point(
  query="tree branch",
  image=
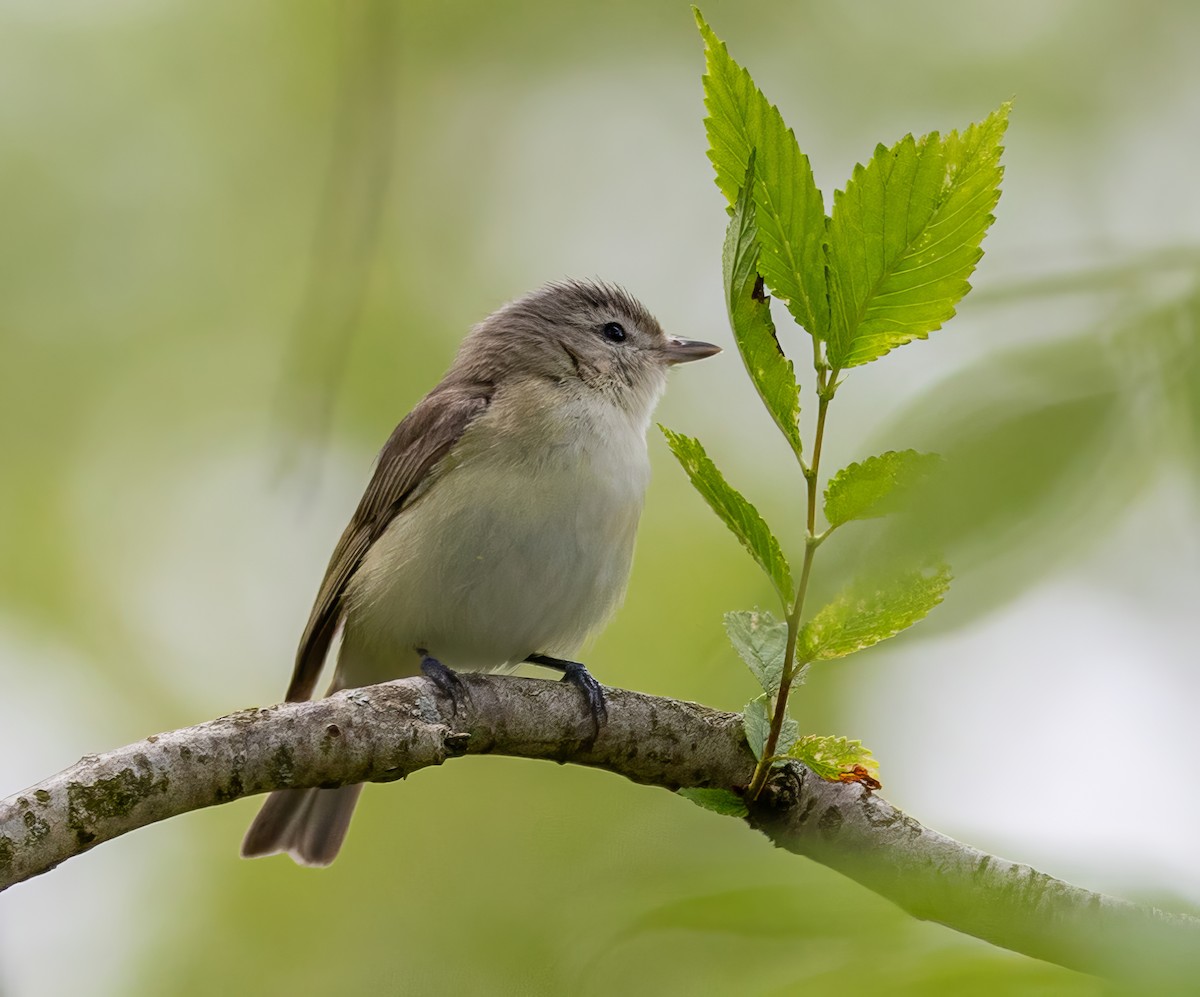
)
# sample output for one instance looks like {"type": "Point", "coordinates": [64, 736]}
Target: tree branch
{"type": "Point", "coordinates": [382, 733]}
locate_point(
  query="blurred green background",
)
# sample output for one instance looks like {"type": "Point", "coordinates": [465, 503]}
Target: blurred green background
{"type": "Point", "coordinates": [239, 240]}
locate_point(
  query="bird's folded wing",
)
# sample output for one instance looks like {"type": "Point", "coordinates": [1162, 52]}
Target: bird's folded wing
{"type": "Point", "coordinates": [414, 449]}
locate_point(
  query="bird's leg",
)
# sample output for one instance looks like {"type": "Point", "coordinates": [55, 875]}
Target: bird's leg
{"type": "Point", "coordinates": [580, 677]}
{"type": "Point", "coordinates": [447, 680]}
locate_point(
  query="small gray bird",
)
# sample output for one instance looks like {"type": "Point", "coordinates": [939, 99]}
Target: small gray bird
{"type": "Point", "coordinates": [498, 526]}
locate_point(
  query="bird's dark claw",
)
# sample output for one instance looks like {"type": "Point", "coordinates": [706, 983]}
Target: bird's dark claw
{"type": "Point", "coordinates": [592, 691]}
{"type": "Point", "coordinates": [447, 680]}
{"type": "Point", "coordinates": [581, 678]}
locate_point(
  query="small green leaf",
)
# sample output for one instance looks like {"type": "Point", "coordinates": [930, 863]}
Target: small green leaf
{"type": "Point", "coordinates": [761, 641]}
{"type": "Point", "coordinates": [791, 213]}
{"type": "Point", "coordinates": [876, 486]}
{"type": "Point", "coordinates": [756, 721]}
{"type": "Point", "coordinates": [865, 614]}
{"type": "Point", "coordinates": [787, 737]}
{"type": "Point", "coordinates": [721, 801]}
{"type": "Point", "coordinates": [750, 318]}
{"type": "Point", "coordinates": [830, 757]}
{"type": "Point", "coordinates": [738, 514]}
{"type": "Point", "coordinates": [905, 236]}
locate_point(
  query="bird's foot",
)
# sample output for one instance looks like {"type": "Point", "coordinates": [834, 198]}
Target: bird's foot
{"type": "Point", "coordinates": [447, 680]}
{"type": "Point", "coordinates": [581, 678]}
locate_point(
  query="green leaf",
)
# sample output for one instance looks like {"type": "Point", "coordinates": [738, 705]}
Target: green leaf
{"type": "Point", "coordinates": [905, 236]}
{"type": "Point", "coordinates": [876, 486]}
{"type": "Point", "coordinates": [761, 641]}
{"type": "Point", "coordinates": [721, 801]}
{"type": "Point", "coordinates": [830, 756]}
{"type": "Point", "coordinates": [756, 721]}
{"type": "Point", "coordinates": [750, 318]}
{"type": "Point", "coordinates": [738, 514]}
{"type": "Point", "coordinates": [791, 214]}
{"type": "Point", "coordinates": [865, 613]}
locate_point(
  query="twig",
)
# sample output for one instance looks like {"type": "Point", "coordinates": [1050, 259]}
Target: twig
{"type": "Point", "coordinates": [384, 732]}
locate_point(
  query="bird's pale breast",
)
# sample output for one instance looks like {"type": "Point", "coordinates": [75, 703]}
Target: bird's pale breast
{"type": "Point", "coordinates": [521, 545]}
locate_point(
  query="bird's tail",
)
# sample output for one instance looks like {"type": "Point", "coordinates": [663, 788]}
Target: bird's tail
{"type": "Point", "coordinates": [307, 824]}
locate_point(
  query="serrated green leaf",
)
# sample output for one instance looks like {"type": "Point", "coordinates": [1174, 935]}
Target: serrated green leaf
{"type": "Point", "coordinates": [867, 613]}
{"type": "Point", "coordinates": [721, 801]}
{"type": "Point", "coordinates": [756, 721]}
{"type": "Point", "coordinates": [738, 514]}
{"type": "Point", "coordinates": [791, 214]}
{"type": "Point", "coordinates": [750, 318]}
{"type": "Point", "coordinates": [787, 737]}
{"type": "Point", "coordinates": [830, 756]}
{"type": "Point", "coordinates": [761, 641]}
{"type": "Point", "coordinates": [905, 236]}
{"type": "Point", "coordinates": [876, 486]}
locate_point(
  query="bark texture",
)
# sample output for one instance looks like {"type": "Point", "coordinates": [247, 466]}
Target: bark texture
{"type": "Point", "coordinates": [382, 733]}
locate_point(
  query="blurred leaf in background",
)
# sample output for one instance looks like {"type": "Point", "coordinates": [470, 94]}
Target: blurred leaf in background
{"type": "Point", "coordinates": [220, 223]}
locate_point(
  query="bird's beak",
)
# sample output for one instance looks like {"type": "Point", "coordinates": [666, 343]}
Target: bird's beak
{"type": "Point", "coordinates": [686, 350]}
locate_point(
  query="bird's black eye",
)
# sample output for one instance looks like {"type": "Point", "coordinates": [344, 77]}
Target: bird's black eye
{"type": "Point", "coordinates": [614, 332]}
